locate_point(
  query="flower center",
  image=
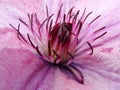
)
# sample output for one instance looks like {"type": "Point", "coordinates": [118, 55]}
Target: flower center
{"type": "Point", "coordinates": [59, 42]}
{"type": "Point", "coordinates": [63, 39]}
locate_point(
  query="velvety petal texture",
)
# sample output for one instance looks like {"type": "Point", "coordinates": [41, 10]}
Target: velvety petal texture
{"type": "Point", "coordinates": [22, 69]}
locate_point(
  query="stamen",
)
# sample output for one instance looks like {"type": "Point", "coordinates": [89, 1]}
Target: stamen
{"type": "Point", "coordinates": [56, 54]}
{"type": "Point", "coordinates": [80, 26]}
{"type": "Point", "coordinates": [80, 73]}
{"type": "Point", "coordinates": [75, 17]}
{"type": "Point", "coordinates": [100, 29]}
{"type": "Point", "coordinates": [83, 13]}
{"type": "Point", "coordinates": [70, 12]}
{"type": "Point", "coordinates": [44, 22]}
{"type": "Point", "coordinates": [90, 48]}
{"type": "Point", "coordinates": [31, 41]}
{"type": "Point", "coordinates": [74, 73]}
{"type": "Point", "coordinates": [64, 18]}
{"type": "Point", "coordinates": [87, 16]}
{"type": "Point", "coordinates": [49, 48]}
{"type": "Point", "coordinates": [37, 20]}
{"type": "Point", "coordinates": [100, 36]}
{"type": "Point", "coordinates": [23, 22]}
{"type": "Point", "coordinates": [47, 11]}
{"type": "Point", "coordinates": [50, 27]}
{"type": "Point", "coordinates": [31, 22]}
{"type": "Point", "coordinates": [69, 26]}
{"type": "Point", "coordinates": [37, 49]}
{"type": "Point", "coordinates": [70, 55]}
{"type": "Point", "coordinates": [29, 17]}
{"type": "Point", "coordinates": [59, 13]}
{"type": "Point", "coordinates": [13, 27]}
{"type": "Point", "coordinates": [18, 30]}
{"type": "Point", "coordinates": [18, 33]}
{"type": "Point", "coordinates": [39, 27]}
{"type": "Point", "coordinates": [94, 19]}
{"type": "Point", "coordinates": [47, 25]}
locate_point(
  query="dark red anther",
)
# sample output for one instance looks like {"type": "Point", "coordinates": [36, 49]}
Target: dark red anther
{"type": "Point", "coordinates": [61, 33]}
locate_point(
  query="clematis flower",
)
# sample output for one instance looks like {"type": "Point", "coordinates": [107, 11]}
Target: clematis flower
{"type": "Point", "coordinates": [59, 45]}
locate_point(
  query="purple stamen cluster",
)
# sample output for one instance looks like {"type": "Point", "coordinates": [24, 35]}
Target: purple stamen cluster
{"type": "Point", "coordinates": [58, 41]}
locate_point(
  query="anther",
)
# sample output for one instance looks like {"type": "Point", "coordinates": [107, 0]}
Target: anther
{"type": "Point", "coordinates": [100, 29]}
{"type": "Point", "coordinates": [100, 36]}
{"type": "Point", "coordinates": [23, 22]}
{"type": "Point", "coordinates": [90, 48]}
{"type": "Point", "coordinates": [59, 13]}
{"type": "Point", "coordinates": [31, 41]}
{"type": "Point", "coordinates": [94, 19]}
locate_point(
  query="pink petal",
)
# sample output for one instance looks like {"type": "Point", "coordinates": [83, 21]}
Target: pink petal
{"type": "Point", "coordinates": [9, 39]}
{"type": "Point", "coordinates": [101, 70]}
{"type": "Point", "coordinates": [100, 63]}
{"type": "Point", "coordinates": [21, 69]}
{"type": "Point", "coordinates": [109, 18]}
{"type": "Point", "coordinates": [24, 7]}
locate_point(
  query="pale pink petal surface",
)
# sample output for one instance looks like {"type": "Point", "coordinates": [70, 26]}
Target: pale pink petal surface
{"type": "Point", "coordinates": [21, 68]}
{"type": "Point", "coordinates": [26, 72]}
